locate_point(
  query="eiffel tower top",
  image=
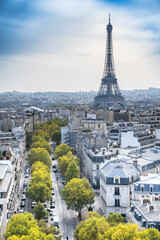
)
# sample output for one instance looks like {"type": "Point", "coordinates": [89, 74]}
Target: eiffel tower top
{"type": "Point", "coordinates": [109, 61]}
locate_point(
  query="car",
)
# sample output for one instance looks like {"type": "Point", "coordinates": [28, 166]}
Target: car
{"type": "Point", "coordinates": [64, 182]}
{"type": "Point", "coordinates": [48, 209]}
{"type": "Point", "coordinates": [52, 158]}
{"type": "Point", "coordinates": [27, 176]}
{"type": "Point", "coordinates": [54, 166]}
{"type": "Point", "coordinates": [52, 192]}
{"type": "Point", "coordinates": [52, 206]}
{"type": "Point", "coordinates": [52, 201]}
{"type": "Point", "coordinates": [24, 190]}
{"type": "Point", "coordinates": [23, 197]}
{"type": "Point", "coordinates": [33, 204]}
{"type": "Point", "coordinates": [21, 211]}
{"type": "Point", "coordinates": [54, 169]}
{"type": "Point", "coordinates": [22, 204]}
{"type": "Point", "coordinates": [52, 213]}
{"type": "Point", "coordinates": [55, 220]}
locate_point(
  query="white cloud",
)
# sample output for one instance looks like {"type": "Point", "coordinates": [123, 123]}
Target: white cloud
{"type": "Point", "coordinates": [67, 47]}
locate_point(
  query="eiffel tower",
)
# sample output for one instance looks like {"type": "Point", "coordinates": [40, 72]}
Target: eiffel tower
{"type": "Point", "coordinates": [109, 95]}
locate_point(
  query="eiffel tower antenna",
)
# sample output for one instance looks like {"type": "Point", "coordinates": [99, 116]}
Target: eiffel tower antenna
{"type": "Point", "coordinates": [109, 95]}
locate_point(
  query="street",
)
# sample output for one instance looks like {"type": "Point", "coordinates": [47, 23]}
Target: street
{"type": "Point", "coordinates": [67, 218]}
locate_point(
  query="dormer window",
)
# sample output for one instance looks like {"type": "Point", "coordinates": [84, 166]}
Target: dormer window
{"type": "Point", "coordinates": [142, 188]}
{"type": "Point", "coordinates": [151, 188]}
{"type": "Point", "coordinates": [117, 180]}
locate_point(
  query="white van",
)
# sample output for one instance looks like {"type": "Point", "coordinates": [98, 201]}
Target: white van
{"type": "Point", "coordinates": [55, 220]}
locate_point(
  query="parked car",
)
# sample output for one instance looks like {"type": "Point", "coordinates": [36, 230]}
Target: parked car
{"type": "Point", "coordinates": [48, 209]}
{"type": "Point", "coordinates": [55, 220]}
{"type": "Point", "coordinates": [52, 200]}
{"type": "Point", "coordinates": [52, 205]}
{"type": "Point", "coordinates": [23, 197]}
{"type": "Point", "coordinates": [27, 176]}
{"type": "Point", "coordinates": [52, 192]}
{"type": "Point", "coordinates": [54, 169]}
{"type": "Point", "coordinates": [21, 211]}
{"type": "Point", "coordinates": [33, 204]}
{"type": "Point", "coordinates": [22, 204]}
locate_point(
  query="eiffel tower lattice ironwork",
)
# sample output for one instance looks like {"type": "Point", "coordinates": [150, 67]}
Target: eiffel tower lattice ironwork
{"type": "Point", "coordinates": [109, 95]}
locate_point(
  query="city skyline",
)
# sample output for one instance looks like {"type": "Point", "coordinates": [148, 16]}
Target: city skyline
{"type": "Point", "coordinates": [60, 46]}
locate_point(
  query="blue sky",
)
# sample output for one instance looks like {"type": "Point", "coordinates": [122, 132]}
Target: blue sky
{"type": "Point", "coordinates": [49, 45]}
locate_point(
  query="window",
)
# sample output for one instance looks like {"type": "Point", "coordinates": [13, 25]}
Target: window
{"type": "Point", "coordinates": [116, 180]}
{"type": "Point", "coordinates": [142, 188]}
{"type": "Point", "coordinates": [117, 202]}
{"type": "Point", "coordinates": [116, 191]}
{"type": "Point", "coordinates": [97, 167]}
{"type": "Point", "coordinates": [98, 125]}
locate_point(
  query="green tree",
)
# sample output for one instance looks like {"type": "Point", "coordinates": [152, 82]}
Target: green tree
{"type": "Point", "coordinates": [20, 224]}
{"type": "Point", "coordinates": [28, 139]}
{"type": "Point", "coordinates": [56, 136]}
{"type": "Point", "coordinates": [114, 219]}
{"type": "Point", "coordinates": [49, 229]}
{"type": "Point", "coordinates": [43, 134]}
{"type": "Point", "coordinates": [61, 150]}
{"type": "Point", "coordinates": [40, 211]}
{"type": "Point", "coordinates": [72, 172]}
{"type": "Point", "coordinates": [38, 192]}
{"type": "Point", "coordinates": [65, 160]}
{"type": "Point", "coordinates": [40, 166]}
{"type": "Point", "coordinates": [91, 228]}
{"type": "Point", "coordinates": [42, 144]}
{"type": "Point", "coordinates": [37, 138]}
{"type": "Point", "coordinates": [78, 194]}
{"type": "Point", "coordinates": [41, 176]}
{"type": "Point", "coordinates": [39, 154]}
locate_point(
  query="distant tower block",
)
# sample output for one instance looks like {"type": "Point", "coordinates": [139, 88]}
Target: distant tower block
{"type": "Point", "coordinates": [109, 95]}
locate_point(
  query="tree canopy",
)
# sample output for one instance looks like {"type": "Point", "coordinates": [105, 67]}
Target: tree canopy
{"type": "Point", "coordinates": [72, 171]}
{"type": "Point", "coordinates": [38, 192]}
{"type": "Point", "coordinates": [51, 229]}
{"type": "Point", "coordinates": [78, 194]}
{"type": "Point", "coordinates": [65, 160]}
{"type": "Point", "coordinates": [56, 136]}
{"type": "Point", "coordinates": [41, 133]}
{"type": "Point", "coordinates": [39, 154]}
{"type": "Point", "coordinates": [40, 211]}
{"type": "Point", "coordinates": [114, 219]}
{"type": "Point", "coordinates": [97, 227]}
{"type": "Point", "coordinates": [42, 144]}
{"type": "Point", "coordinates": [61, 150]}
{"type": "Point", "coordinates": [20, 224]}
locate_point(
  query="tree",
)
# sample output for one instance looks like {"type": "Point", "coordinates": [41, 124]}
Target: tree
{"type": "Point", "coordinates": [42, 144]}
{"type": "Point", "coordinates": [41, 176]}
{"type": "Point", "coordinates": [65, 160]}
{"type": "Point", "coordinates": [40, 166]}
{"type": "Point", "coordinates": [56, 136]}
{"type": "Point", "coordinates": [40, 211]}
{"type": "Point", "coordinates": [78, 194]}
{"type": "Point", "coordinates": [72, 172]}
{"type": "Point", "coordinates": [38, 192]}
{"type": "Point", "coordinates": [20, 224]}
{"type": "Point", "coordinates": [91, 228]}
{"type": "Point", "coordinates": [28, 139]}
{"type": "Point", "coordinates": [114, 219]}
{"type": "Point", "coordinates": [49, 229]}
{"type": "Point", "coordinates": [39, 154]}
{"type": "Point", "coordinates": [37, 138]}
{"type": "Point", "coordinates": [43, 134]}
{"type": "Point", "coordinates": [61, 150]}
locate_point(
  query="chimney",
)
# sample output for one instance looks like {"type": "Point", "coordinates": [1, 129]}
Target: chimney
{"type": "Point", "coordinates": [135, 163]}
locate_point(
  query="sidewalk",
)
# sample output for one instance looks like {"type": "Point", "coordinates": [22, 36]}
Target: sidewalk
{"type": "Point", "coordinates": [96, 208]}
